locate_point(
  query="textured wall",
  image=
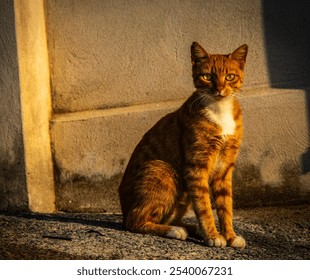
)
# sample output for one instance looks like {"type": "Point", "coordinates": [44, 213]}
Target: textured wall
{"type": "Point", "coordinates": [118, 66]}
{"type": "Point", "coordinates": [13, 193]}
{"type": "Point", "coordinates": [36, 108]}
{"type": "Point", "coordinates": [118, 53]}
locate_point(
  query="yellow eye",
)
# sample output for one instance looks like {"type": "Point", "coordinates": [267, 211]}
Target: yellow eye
{"type": "Point", "coordinates": [230, 77]}
{"type": "Point", "coordinates": [206, 77]}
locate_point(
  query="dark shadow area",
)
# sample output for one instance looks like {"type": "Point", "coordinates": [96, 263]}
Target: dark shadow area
{"type": "Point", "coordinates": [104, 221]}
{"type": "Point", "coordinates": [287, 43]}
{"type": "Point", "coordinates": [26, 252]}
{"type": "Point", "coordinates": [108, 221]}
{"type": "Point", "coordinates": [13, 190]}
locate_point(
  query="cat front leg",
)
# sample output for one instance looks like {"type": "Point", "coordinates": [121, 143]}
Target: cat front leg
{"type": "Point", "coordinates": [222, 193]}
{"type": "Point", "coordinates": [199, 191]}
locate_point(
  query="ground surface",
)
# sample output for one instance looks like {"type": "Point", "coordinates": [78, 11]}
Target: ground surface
{"type": "Point", "coordinates": [271, 233]}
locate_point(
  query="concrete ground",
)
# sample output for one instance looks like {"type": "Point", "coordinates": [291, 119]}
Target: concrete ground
{"type": "Point", "coordinates": [271, 233]}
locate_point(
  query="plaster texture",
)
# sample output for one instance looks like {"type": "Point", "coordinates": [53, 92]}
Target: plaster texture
{"type": "Point", "coordinates": [35, 103]}
{"type": "Point", "coordinates": [82, 81]}
{"type": "Point", "coordinates": [117, 67]}
{"type": "Point", "coordinates": [120, 53]}
{"type": "Point", "coordinates": [97, 146]}
{"type": "Point", "coordinates": [26, 171]}
{"type": "Point", "coordinates": [270, 167]}
{"type": "Point", "coordinates": [13, 190]}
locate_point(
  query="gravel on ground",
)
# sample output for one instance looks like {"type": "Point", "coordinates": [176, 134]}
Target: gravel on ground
{"type": "Point", "coordinates": [271, 233]}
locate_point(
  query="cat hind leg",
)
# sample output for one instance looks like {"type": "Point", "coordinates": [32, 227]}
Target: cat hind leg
{"type": "Point", "coordinates": [155, 219]}
{"type": "Point", "coordinates": [174, 232]}
{"type": "Point", "coordinates": [153, 202]}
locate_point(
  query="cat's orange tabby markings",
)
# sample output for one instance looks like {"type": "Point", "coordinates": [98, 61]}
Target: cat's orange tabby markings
{"type": "Point", "coordinates": [189, 155]}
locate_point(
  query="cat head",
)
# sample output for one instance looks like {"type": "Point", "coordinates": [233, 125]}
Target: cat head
{"type": "Point", "coordinates": [218, 75]}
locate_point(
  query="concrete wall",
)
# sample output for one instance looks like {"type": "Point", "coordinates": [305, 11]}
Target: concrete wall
{"type": "Point", "coordinates": [26, 167]}
{"type": "Point", "coordinates": [35, 96]}
{"type": "Point", "coordinates": [118, 66]}
{"type": "Point", "coordinates": [119, 53]}
{"type": "Point", "coordinates": [13, 190]}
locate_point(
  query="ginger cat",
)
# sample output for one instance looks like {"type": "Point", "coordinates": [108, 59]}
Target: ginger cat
{"type": "Point", "coordinates": [188, 155]}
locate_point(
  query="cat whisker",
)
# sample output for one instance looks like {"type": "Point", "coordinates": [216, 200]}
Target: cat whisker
{"type": "Point", "coordinates": [202, 100]}
{"type": "Point", "coordinates": [199, 99]}
{"type": "Point", "coordinates": [192, 104]}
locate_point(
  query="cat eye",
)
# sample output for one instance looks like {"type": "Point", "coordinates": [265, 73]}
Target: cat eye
{"type": "Point", "coordinates": [206, 77]}
{"type": "Point", "coordinates": [230, 77]}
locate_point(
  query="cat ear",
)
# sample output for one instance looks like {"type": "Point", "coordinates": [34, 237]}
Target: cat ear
{"type": "Point", "coordinates": [198, 52]}
{"type": "Point", "coordinates": [240, 53]}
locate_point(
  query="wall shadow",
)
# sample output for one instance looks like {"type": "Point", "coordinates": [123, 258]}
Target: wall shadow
{"type": "Point", "coordinates": [287, 44]}
{"type": "Point", "coordinates": [108, 221]}
{"type": "Point", "coordinates": [13, 190]}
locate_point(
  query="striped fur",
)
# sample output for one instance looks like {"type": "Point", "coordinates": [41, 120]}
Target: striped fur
{"type": "Point", "coordinates": [188, 155]}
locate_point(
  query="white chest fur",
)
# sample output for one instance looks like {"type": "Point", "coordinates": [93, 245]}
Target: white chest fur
{"type": "Point", "coordinates": [221, 113]}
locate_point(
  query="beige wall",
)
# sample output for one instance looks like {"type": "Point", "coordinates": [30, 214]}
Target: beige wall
{"type": "Point", "coordinates": [119, 53]}
{"type": "Point", "coordinates": [35, 93]}
{"type": "Point", "coordinates": [117, 66]}
{"type": "Point", "coordinates": [26, 167]}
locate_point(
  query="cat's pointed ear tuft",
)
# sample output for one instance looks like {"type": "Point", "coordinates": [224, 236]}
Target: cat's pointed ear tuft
{"type": "Point", "coordinates": [197, 52]}
{"type": "Point", "coordinates": [240, 53]}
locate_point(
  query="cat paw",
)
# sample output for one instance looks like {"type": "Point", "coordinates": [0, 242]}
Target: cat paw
{"type": "Point", "coordinates": [177, 233]}
{"type": "Point", "coordinates": [218, 241]}
{"type": "Point", "coordinates": [237, 242]}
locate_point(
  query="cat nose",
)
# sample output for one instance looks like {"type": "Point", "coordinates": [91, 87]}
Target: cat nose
{"type": "Point", "coordinates": [219, 89]}
{"type": "Point", "coordinates": [219, 93]}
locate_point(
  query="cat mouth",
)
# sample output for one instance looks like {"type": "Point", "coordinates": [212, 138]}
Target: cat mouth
{"type": "Point", "coordinates": [217, 95]}
{"type": "Point", "coordinates": [221, 95]}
